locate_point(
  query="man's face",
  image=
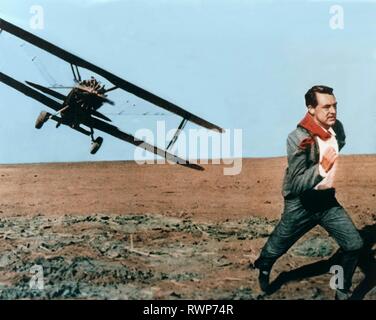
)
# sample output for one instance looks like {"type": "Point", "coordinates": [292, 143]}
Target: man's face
{"type": "Point", "coordinates": [325, 113]}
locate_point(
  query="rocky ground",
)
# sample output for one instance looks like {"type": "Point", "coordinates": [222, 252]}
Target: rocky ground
{"type": "Point", "coordinates": [123, 231]}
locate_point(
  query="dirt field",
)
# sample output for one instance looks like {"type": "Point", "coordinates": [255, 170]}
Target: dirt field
{"type": "Point", "coordinates": [117, 230]}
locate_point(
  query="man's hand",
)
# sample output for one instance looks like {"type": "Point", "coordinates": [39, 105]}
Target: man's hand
{"type": "Point", "coordinates": [328, 159]}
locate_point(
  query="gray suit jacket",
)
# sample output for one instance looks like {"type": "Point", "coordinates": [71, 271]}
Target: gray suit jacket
{"type": "Point", "coordinates": [302, 173]}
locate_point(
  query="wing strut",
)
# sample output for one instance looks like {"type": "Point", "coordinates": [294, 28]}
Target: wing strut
{"type": "Point", "coordinates": [176, 135]}
{"type": "Point", "coordinates": [76, 73]}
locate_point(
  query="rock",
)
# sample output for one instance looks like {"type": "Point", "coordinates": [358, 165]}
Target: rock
{"type": "Point", "coordinates": [314, 247]}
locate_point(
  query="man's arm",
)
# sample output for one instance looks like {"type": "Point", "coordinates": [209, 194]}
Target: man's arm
{"type": "Point", "coordinates": [301, 177]}
{"type": "Point", "coordinates": [340, 132]}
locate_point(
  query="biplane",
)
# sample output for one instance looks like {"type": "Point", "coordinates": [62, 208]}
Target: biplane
{"type": "Point", "coordinates": [79, 108]}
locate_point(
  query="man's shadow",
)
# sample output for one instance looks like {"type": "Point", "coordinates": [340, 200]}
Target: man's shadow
{"type": "Point", "coordinates": [367, 264]}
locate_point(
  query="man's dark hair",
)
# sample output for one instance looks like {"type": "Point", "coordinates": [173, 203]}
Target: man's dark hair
{"type": "Point", "coordinates": [310, 96]}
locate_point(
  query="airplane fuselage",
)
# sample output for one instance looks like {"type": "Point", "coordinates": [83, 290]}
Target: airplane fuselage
{"type": "Point", "coordinates": [82, 101]}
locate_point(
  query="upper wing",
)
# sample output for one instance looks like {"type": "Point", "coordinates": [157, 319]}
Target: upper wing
{"type": "Point", "coordinates": [117, 81]}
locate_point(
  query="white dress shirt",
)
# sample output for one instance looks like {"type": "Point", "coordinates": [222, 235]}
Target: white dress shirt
{"type": "Point", "coordinates": [328, 181]}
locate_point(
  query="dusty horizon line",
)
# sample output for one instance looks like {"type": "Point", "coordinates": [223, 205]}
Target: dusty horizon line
{"type": "Point", "coordinates": [208, 161]}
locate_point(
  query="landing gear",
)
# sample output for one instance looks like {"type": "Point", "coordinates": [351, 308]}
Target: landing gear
{"type": "Point", "coordinates": [42, 118]}
{"type": "Point", "coordinates": [96, 144]}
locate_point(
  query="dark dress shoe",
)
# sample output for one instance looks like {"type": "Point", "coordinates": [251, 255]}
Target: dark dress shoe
{"type": "Point", "coordinates": [264, 280]}
{"type": "Point", "coordinates": [342, 294]}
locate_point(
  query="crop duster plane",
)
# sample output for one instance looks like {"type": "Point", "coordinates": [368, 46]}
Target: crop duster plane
{"type": "Point", "coordinates": [79, 108]}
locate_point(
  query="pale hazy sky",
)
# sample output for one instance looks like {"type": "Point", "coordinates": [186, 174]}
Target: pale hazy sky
{"type": "Point", "coordinates": [239, 64]}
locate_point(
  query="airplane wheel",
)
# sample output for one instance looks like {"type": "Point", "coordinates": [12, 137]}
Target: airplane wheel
{"type": "Point", "coordinates": [96, 144]}
{"type": "Point", "coordinates": [42, 118]}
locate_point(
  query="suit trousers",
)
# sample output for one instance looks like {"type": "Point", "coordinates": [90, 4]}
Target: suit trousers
{"type": "Point", "coordinates": [301, 214]}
